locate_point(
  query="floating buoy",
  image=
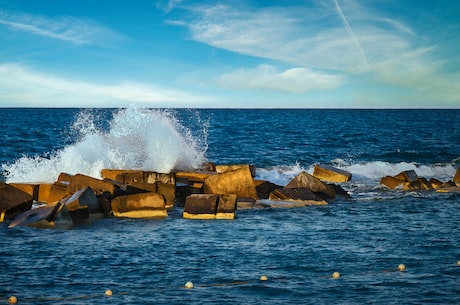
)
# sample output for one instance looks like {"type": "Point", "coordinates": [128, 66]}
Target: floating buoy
{"type": "Point", "coordinates": [335, 275]}
{"type": "Point", "coordinates": [108, 292]}
{"type": "Point", "coordinates": [189, 285]}
{"type": "Point", "coordinates": [263, 278]}
{"type": "Point", "coordinates": [458, 263]}
{"type": "Point", "coordinates": [401, 267]}
{"type": "Point", "coordinates": [12, 300]}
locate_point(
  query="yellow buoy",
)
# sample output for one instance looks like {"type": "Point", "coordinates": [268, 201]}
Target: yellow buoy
{"type": "Point", "coordinates": [263, 278]}
{"type": "Point", "coordinates": [335, 275]}
{"type": "Point", "coordinates": [401, 267]}
{"type": "Point", "coordinates": [458, 263]}
{"type": "Point", "coordinates": [108, 292]}
{"type": "Point", "coordinates": [12, 300]}
{"type": "Point", "coordinates": [189, 285]}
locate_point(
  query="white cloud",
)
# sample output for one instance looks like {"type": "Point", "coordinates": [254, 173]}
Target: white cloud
{"type": "Point", "coordinates": [295, 80]}
{"type": "Point", "coordinates": [22, 86]}
{"type": "Point", "coordinates": [78, 31]}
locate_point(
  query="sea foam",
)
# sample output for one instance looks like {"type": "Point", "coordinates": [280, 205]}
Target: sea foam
{"type": "Point", "coordinates": [135, 138]}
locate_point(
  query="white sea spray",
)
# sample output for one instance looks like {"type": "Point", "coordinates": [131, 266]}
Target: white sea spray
{"type": "Point", "coordinates": [136, 138]}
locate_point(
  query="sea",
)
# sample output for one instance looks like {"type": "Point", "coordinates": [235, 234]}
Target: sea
{"type": "Point", "coordinates": [265, 255]}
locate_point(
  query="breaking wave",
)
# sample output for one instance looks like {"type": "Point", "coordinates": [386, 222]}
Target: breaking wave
{"type": "Point", "coordinates": [135, 138]}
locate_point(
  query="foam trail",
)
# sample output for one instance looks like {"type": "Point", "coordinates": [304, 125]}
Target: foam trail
{"type": "Point", "coordinates": [351, 34]}
{"type": "Point", "coordinates": [136, 138]}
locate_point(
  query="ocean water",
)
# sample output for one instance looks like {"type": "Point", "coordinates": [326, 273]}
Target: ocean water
{"type": "Point", "coordinates": [149, 261]}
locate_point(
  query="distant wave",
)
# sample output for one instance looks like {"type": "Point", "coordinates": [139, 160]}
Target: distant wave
{"type": "Point", "coordinates": [136, 138]}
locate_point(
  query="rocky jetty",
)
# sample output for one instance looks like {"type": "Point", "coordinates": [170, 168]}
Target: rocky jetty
{"type": "Point", "coordinates": [213, 192]}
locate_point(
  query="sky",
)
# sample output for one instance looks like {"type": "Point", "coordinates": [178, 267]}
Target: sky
{"type": "Point", "coordinates": [230, 54]}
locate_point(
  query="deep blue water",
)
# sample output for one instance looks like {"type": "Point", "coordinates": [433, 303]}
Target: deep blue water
{"type": "Point", "coordinates": [365, 239]}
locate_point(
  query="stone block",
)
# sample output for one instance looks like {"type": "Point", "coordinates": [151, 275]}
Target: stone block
{"type": "Point", "coordinates": [201, 206]}
{"type": "Point", "coordinates": [418, 185]}
{"type": "Point", "coordinates": [436, 183]}
{"type": "Point", "coordinates": [302, 195]}
{"type": "Point", "coordinates": [237, 182]}
{"type": "Point", "coordinates": [305, 180]}
{"type": "Point", "coordinates": [153, 177]}
{"type": "Point", "coordinates": [226, 168]}
{"type": "Point", "coordinates": [133, 177]}
{"type": "Point", "coordinates": [63, 179]}
{"type": "Point", "coordinates": [116, 174]}
{"type": "Point", "coordinates": [143, 205]}
{"type": "Point", "coordinates": [226, 207]}
{"type": "Point", "coordinates": [456, 179]}
{"type": "Point", "coordinates": [407, 176]}
{"type": "Point", "coordinates": [51, 193]}
{"type": "Point", "coordinates": [41, 217]}
{"type": "Point", "coordinates": [136, 188]}
{"type": "Point", "coordinates": [392, 183]}
{"type": "Point", "coordinates": [192, 177]}
{"type": "Point", "coordinates": [331, 174]}
{"type": "Point", "coordinates": [13, 201]}
{"type": "Point", "coordinates": [247, 204]}
{"type": "Point", "coordinates": [264, 188]}
{"type": "Point", "coordinates": [100, 187]}
{"type": "Point", "coordinates": [185, 190]}
{"type": "Point", "coordinates": [29, 188]}
{"type": "Point", "coordinates": [169, 193]}
{"type": "Point", "coordinates": [83, 206]}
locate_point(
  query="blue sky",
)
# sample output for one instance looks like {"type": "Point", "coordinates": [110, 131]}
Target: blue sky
{"type": "Point", "coordinates": [239, 53]}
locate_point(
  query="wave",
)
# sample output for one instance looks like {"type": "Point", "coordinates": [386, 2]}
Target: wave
{"type": "Point", "coordinates": [135, 138]}
{"type": "Point", "coordinates": [365, 172]}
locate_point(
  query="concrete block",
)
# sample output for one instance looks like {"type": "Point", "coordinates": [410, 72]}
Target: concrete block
{"type": "Point", "coordinates": [169, 193]}
{"type": "Point", "coordinates": [456, 179]}
{"type": "Point", "coordinates": [419, 184]}
{"type": "Point", "coordinates": [83, 206]}
{"type": "Point", "coordinates": [436, 183]}
{"type": "Point", "coordinates": [29, 188]}
{"type": "Point", "coordinates": [153, 177]}
{"type": "Point", "coordinates": [116, 174]}
{"type": "Point", "coordinates": [331, 174]}
{"type": "Point", "coordinates": [226, 168]}
{"type": "Point", "coordinates": [51, 193]}
{"type": "Point", "coordinates": [392, 183]}
{"type": "Point", "coordinates": [100, 187]}
{"type": "Point", "coordinates": [226, 207]}
{"type": "Point", "coordinates": [143, 205]}
{"type": "Point", "coordinates": [237, 182]}
{"type": "Point", "coordinates": [303, 195]}
{"type": "Point", "coordinates": [41, 217]}
{"type": "Point", "coordinates": [192, 177]}
{"type": "Point", "coordinates": [13, 201]}
{"type": "Point", "coordinates": [201, 206]}
{"type": "Point", "coordinates": [305, 180]}
{"type": "Point", "coordinates": [264, 188]}
{"type": "Point", "coordinates": [407, 176]}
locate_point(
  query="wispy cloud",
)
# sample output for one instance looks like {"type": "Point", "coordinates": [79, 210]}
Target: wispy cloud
{"type": "Point", "coordinates": [295, 80]}
{"type": "Point", "coordinates": [22, 86]}
{"type": "Point", "coordinates": [74, 30]}
{"type": "Point", "coordinates": [349, 39]}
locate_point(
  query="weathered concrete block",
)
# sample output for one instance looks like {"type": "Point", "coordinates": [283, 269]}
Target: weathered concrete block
{"type": "Point", "coordinates": [133, 177]}
{"type": "Point", "coordinates": [436, 183]}
{"type": "Point", "coordinates": [201, 206]}
{"type": "Point", "coordinates": [51, 193]}
{"type": "Point", "coordinates": [29, 188]}
{"type": "Point", "coordinates": [237, 182]}
{"type": "Point", "coordinates": [13, 201]}
{"type": "Point", "coordinates": [247, 204]}
{"type": "Point", "coordinates": [226, 168]}
{"type": "Point", "coordinates": [302, 195]}
{"type": "Point", "coordinates": [153, 177]}
{"type": "Point", "coordinates": [143, 205]}
{"type": "Point", "coordinates": [185, 190]}
{"type": "Point", "coordinates": [456, 179]}
{"type": "Point", "coordinates": [63, 179]}
{"type": "Point", "coordinates": [226, 207]}
{"type": "Point", "coordinates": [83, 206]}
{"type": "Point", "coordinates": [169, 193]}
{"type": "Point", "coordinates": [192, 177]}
{"type": "Point", "coordinates": [331, 174]}
{"type": "Point", "coordinates": [407, 176]}
{"type": "Point", "coordinates": [305, 180]}
{"type": "Point", "coordinates": [117, 174]}
{"type": "Point", "coordinates": [99, 187]}
{"type": "Point", "coordinates": [136, 188]}
{"type": "Point", "coordinates": [264, 188]}
{"type": "Point", "coordinates": [41, 217]}
{"type": "Point", "coordinates": [392, 183]}
{"type": "Point", "coordinates": [419, 184]}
